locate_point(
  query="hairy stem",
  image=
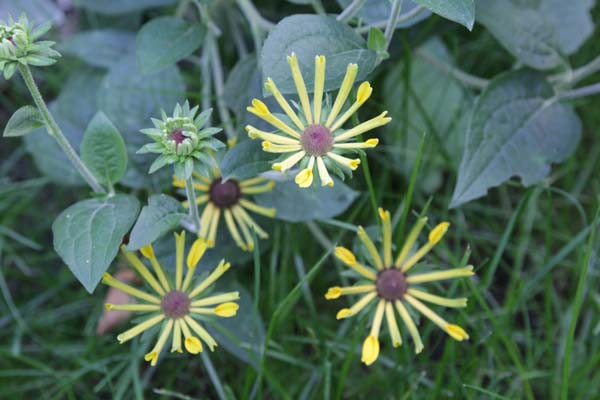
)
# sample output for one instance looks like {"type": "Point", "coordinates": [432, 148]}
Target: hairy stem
{"type": "Point", "coordinates": [191, 197]}
{"type": "Point", "coordinates": [580, 92]}
{"type": "Point", "coordinates": [351, 10]}
{"type": "Point", "coordinates": [401, 18]}
{"type": "Point", "coordinates": [56, 132]}
{"type": "Point", "coordinates": [217, 74]}
{"type": "Point", "coordinates": [392, 22]}
{"type": "Point", "coordinates": [469, 80]}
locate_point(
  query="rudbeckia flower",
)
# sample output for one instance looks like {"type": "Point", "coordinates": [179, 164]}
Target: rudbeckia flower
{"type": "Point", "coordinates": [393, 289]}
{"type": "Point", "coordinates": [176, 304]}
{"type": "Point", "coordinates": [315, 136]}
{"type": "Point", "coordinates": [230, 200]}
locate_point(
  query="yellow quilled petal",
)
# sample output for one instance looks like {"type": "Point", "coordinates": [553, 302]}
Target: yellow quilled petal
{"type": "Point", "coordinates": [267, 212]}
{"type": "Point", "coordinates": [441, 275]}
{"type": "Point", "coordinates": [220, 298]}
{"type": "Point", "coordinates": [280, 148]}
{"type": "Point", "coordinates": [386, 222]}
{"type": "Point", "coordinates": [357, 145]}
{"type": "Point", "coordinates": [392, 325]}
{"type": "Point", "coordinates": [410, 241]}
{"type": "Point", "coordinates": [364, 92]}
{"type": "Point", "coordinates": [216, 274]}
{"type": "Point", "coordinates": [346, 162]}
{"type": "Point", "coordinates": [141, 269]}
{"type": "Point", "coordinates": [410, 325]}
{"type": "Point", "coordinates": [226, 310]}
{"type": "Point", "coordinates": [457, 334]}
{"type": "Point", "coordinates": [319, 85]}
{"type": "Point", "coordinates": [289, 162]}
{"type": "Point", "coordinates": [370, 246]}
{"type": "Point", "coordinates": [107, 279]}
{"type": "Point", "coordinates": [272, 88]}
{"type": "Point", "coordinates": [324, 176]}
{"type": "Point", "coordinates": [304, 178]}
{"type": "Point", "coordinates": [300, 87]}
{"type": "Point", "coordinates": [441, 301]}
{"type": "Point", "coordinates": [139, 328]}
{"type": "Point", "coordinates": [342, 95]}
{"type": "Point", "coordinates": [366, 126]}
{"type": "Point", "coordinates": [336, 291]}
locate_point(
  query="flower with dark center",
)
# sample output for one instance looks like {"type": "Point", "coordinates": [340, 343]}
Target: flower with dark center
{"type": "Point", "coordinates": [229, 199]}
{"type": "Point", "coordinates": [177, 303]}
{"type": "Point", "coordinates": [177, 136]}
{"type": "Point", "coordinates": [315, 137]}
{"type": "Point", "coordinates": [394, 289]}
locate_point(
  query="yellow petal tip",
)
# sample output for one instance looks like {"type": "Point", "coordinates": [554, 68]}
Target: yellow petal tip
{"type": "Point", "coordinates": [345, 255]}
{"type": "Point", "coordinates": [438, 232]}
{"type": "Point", "coordinates": [343, 313]}
{"type": "Point", "coordinates": [456, 332]}
{"type": "Point", "coordinates": [226, 310]}
{"type": "Point", "coordinates": [370, 350]}
{"type": "Point", "coordinates": [333, 293]}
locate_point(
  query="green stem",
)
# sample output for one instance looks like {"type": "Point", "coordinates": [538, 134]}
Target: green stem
{"type": "Point", "coordinates": [578, 74]}
{"type": "Point", "coordinates": [191, 197]}
{"type": "Point", "coordinates": [580, 92]}
{"type": "Point", "coordinates": [392, 22]}
{"type": "Point", "coordinates": [351, 10]}
{"type": "Point", "coordinates": [401, 18]}
{"type": "Point", "coordinates": [56, 132]}
{"type": "Point", "coordinates": [564, 393]}
{"type": "Point", "coordinates": [217, 74]}
{"type": "Point", "coordinates": [472, 81]}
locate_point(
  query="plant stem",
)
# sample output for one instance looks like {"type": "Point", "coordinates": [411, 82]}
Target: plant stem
{"type": "Point", "coordinates": [55, 131]}
{"type": "Point", "coordinates": [191, 197]}
{"type": "Point", "coordinates": [392, 22]}
{"type": "Point", "coordinates": [351, 10]}
{"type": "Point", "coordinates": [206, 81]}
{"type": "Point", "coordinates": [257, 23]}
{"type": "Point", "coordinates": [578, 74]}
{"type": "Point", "coordinates": [318, 7]}
{"type": "Point", "coordinates": [472, 81]}
{"type": "Point", "coordinates": [217, 73]}
{"type": "Point", "coordinates": [580, 92]}
{"type": "Point", "coordinates": [401, 18]}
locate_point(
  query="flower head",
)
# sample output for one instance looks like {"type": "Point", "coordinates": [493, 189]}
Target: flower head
{"type": "Point", "coordinates": [177, 304]}
{"type": "Point", "coordinates": [393, 288]}
{"type": "Point", "coordinates": [181, 140]}
{"type": "Point", "coordinates": [229, 199]}
{"type": "Point", "coordinates": [18, 44]}
{"type": "Point", "coordinates": [315, 135]}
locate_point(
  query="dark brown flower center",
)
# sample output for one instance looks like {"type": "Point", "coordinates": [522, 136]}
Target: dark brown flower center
{"type": "Point", "coordinates": [316, 140]}
{"type": "Point", "coordinates": [225, 194]}
{"type": "Point", "coordinates": [391, 284]}
{"type": "Point", "coordinates": [176, 304]}
{"type": "Point", "coordinates": [177, 136]}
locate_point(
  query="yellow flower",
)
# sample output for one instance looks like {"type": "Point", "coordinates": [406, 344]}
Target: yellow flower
{"type": "Point", "coordinates": [229, 199]}
{"type": "Point", "coordinates": [393, 287]}
{"type": "Point", "coordinates": [178, 304]}
{"type": "Point", "coordinates": [315, 136]}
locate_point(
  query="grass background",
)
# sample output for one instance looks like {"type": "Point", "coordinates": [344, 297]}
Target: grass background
{"type": "Point", "coordinates": [531, 248]}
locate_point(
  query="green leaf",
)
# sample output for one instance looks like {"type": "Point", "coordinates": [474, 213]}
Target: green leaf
{"type": "Point", "coordinates": [245, 160]}
{"type": "Point", "coordinates": [538, 32]}
{"type": "Point", "coordinates": [429, 103]}
{"type": "Point", "coordinates": [99, 48]}
{"type": "Point", "coordinates": [295, 204]}
{"type": "Point", "coordinates": [103, 150]}
{"type": "Point", "coordinates": [88, 234]}
{"type": "Point", "coordinates": [25, 120]}
{"type": "Point", "coordinates": [244, 335]}
{"type": "Point", "coordinates": [115, 7]}
{"type": "Point", "coordinates": [461, 11]}
{"type": "Point", "coordinates": [166, 40]}
{"type": "Point", "coordinates": [130, 99]}
{"type": "Point", "coordinates": [378, 12]}
{"type": "Point", "coordinates": [518, 129]}
{"type": "Point", "coordinates": [162, 214]}
{"type": "Point", "coordinates": [308, 36]}
{"type": "Point", "coordinates": [73, 109]}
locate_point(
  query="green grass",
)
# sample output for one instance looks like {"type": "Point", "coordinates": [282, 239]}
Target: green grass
{"type": "Point", "coordinates": [533, 314]}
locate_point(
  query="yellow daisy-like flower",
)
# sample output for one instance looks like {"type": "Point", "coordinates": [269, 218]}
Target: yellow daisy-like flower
{"type": "Point", "coordinates": [314, 137]}
{"type": "Point", "coordinates": [393, 287]}
{"type": "Point", "coordinates": [178, 304]}
{"type": "Point", "coordinates": [229, 199]}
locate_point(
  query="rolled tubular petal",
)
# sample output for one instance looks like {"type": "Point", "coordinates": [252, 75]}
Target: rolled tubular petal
{"type": "Point", "coordinates": [200, 331]}
{"type": "Point", "coordinates": [366, 126]}
{"type": "Point", "coordinates": [346, 162]}
{"type": "Point", "coordinates": [342, 95]}
{"type": "Point", "coordinates": [410, 325]}
{"type": "Point", "coordinates": [152, 356]}
{"type": "Point", "coordinates": [206, 221]}
{"type": "Point", "coordinates": [336, 291]}
{"type": "Point", "coordinates": [176, 344]}
{"type": "Point", "coordinates": [364, 92]}
{"type": "Point", "coordinates": [107, 279]}
{"type": "Point", "coordinates": [289, 162]}
{"type": "Point", "coordinates": [233, 230]}
{"type": "Point", "coordinates": [280, 148]}
{"type": "Point", "coordinates": [304, 178]}
{"type": "Point", "coordinates": [441, 301]}
{"type": "Point", "coordinates": [454, 331]}
{"type": "Point", "coordinates": [370, 246]}
{"type": "Point", "coordinates": [148, 252]}
{"type": "Point", "coordinates": [258, 189]}
{"type": "Point", "coordinates": [220, 298]}
{"type": "Point", "coordinates": [254, 133]}
{"type": "Point", "coordinates": [359, 305]}
{"type": "Point", "coordinates": [392, 325]}
{"type": "Point", "coordinates": [132, 307]}
{"type": "Point", "coordinates": [261, 110]}
{"type": "Point", "coordinates": [324, 176]}
{"type": "Point", "coordinates": [300, 87]}
{"type": "Point", "coordinates": [369, 144]}
{"type": "Point", "coordinates": [267, 212]}
{"type": "Point", "coordinates": [410, 241]}
{"type": "Point", "coordinates": [139, 328]}
{"type": "Point", "coordinates": [387, 236]}
{"type": "Point", "coordinates": [139, 266]}
{"type": "Point", "coordinates": [285, 106]}
{"type": "Point", "coordinates": [319, 84]}
{"type": "Point", "coordinates": [348, 258]}
{"type": "Point", "coordinates": [216, 274]}
{"type": "Point", "coordinates": [441, 275]}
{"type": "Point", "coordinates": [240, 213]}
{"type": "Point", "coordinates": [179, 248]}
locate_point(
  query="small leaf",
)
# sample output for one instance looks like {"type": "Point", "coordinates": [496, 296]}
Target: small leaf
{"type": "Point", "coordinates": [88, 234]}
{"type": "Point", "coordinates": [103, 150]}
{"type": "Point", "coordinates": [166, 40]}
{"type": "Point", "coordinates": [295, 204]}
{"type": "Point", "coordinates": [518, 128]}
{"type": "Point", "coordinates": [461, 11]}
{"type": "Point", "coordinates": [25, 120]}
{"type": "Point", "coordinates": [245, 160]}
{"type": "Point", "coordinates": [162, 214]}
{"type": "Point", "coordinates": [308, 36]}
{"type": "Point", "coordinates": [376, 40]}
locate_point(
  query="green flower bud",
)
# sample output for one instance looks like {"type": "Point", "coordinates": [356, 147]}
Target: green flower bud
{"type": "Point", "coordinates": [18, 44]}
{"type": "Point", "coordinates": [182, 140]}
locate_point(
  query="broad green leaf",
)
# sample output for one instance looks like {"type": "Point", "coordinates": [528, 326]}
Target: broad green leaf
{"type": "Point", "coordinates": [73, 109]}
{"type": "Point", "coordinates": [99, 48]}
{"type": "Point", "coordinates": [518, 128]}
{"type": "Point", "coordinates": [245, 160]}
{"type": "Point", "coordinates": [115, 7]}
{"type": "Point", "coordinates": [244, 335]}
{"type": "Point", "coordinates": [308, 36]}
{"type": "Point", "coordinates": [130, 100]}
{"type": "Point", "coordinates": [103, 150]}
{"type": "Point", "coordinates": [162, 214]}
{"type": "Point", "coordinates": [538, 32]}
{"type": "Point", "coordinates": [378, 12]}
{"type": "Point", "coordinates": [461, 11]}
{"type": "Point", "coordinates": [88, 234]}
{"type": "Point", "coordinates": [295, 204]}
{"type": "Point", "coordinates": [425, 102]}
{"type": "Point", "coordinates": [25, 120]}
{"type": "Point", "coordinates": [165, 40]}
